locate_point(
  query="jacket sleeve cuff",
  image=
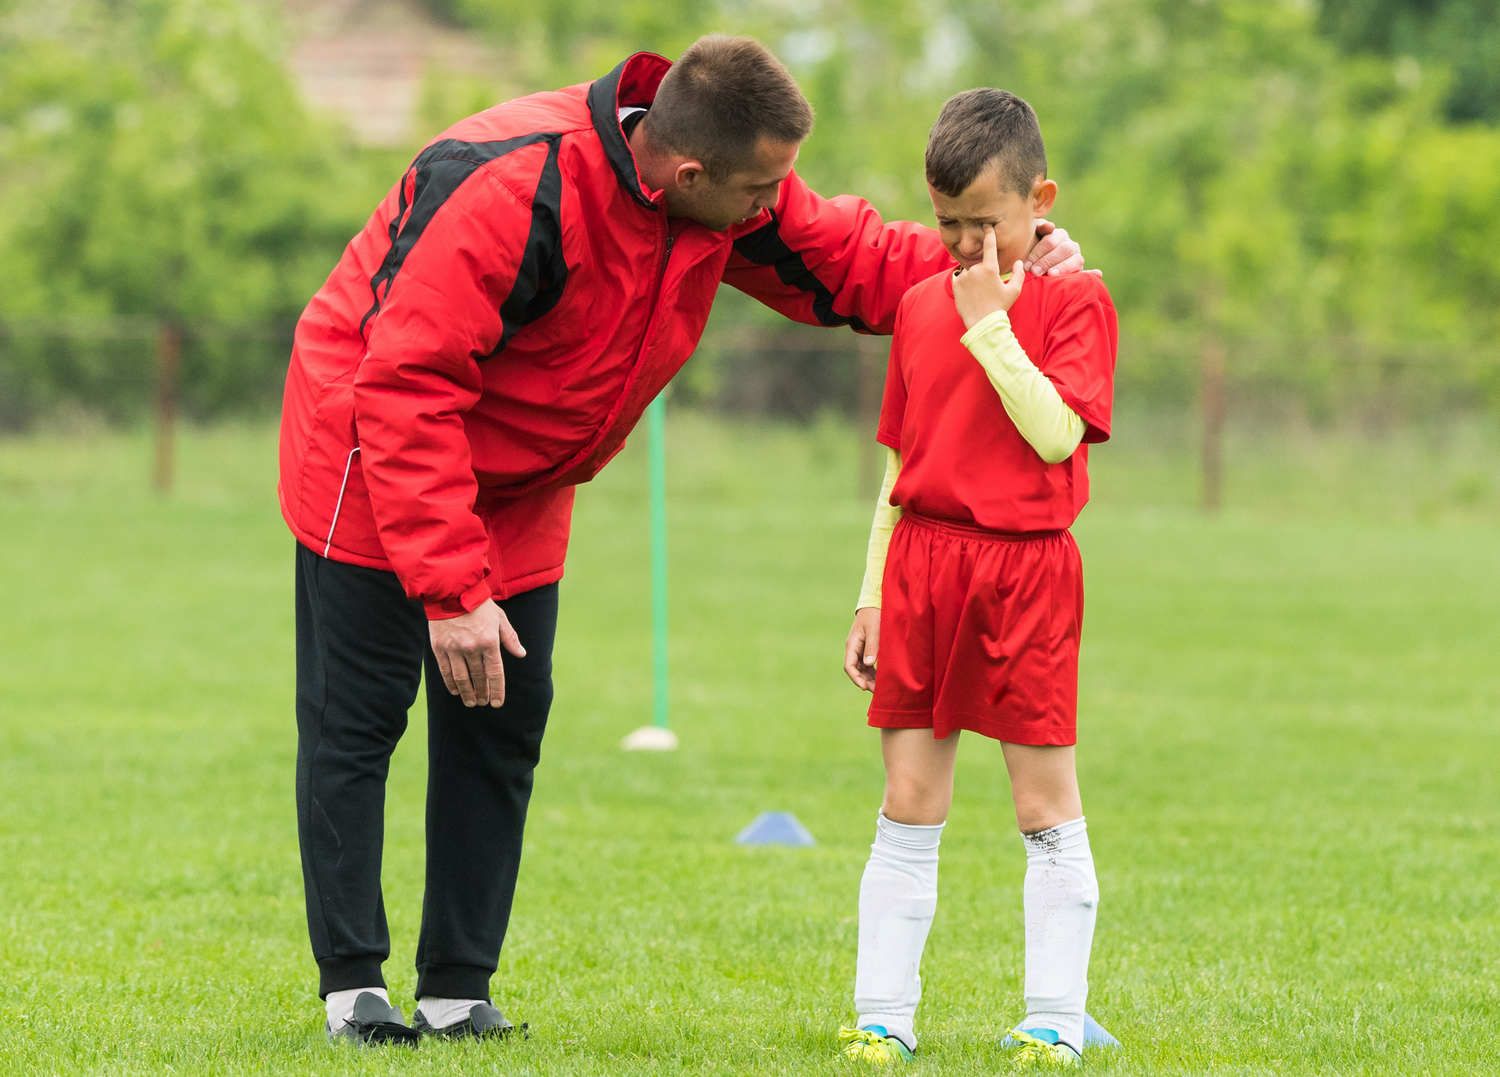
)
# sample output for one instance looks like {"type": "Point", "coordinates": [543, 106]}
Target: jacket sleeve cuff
{"type": "Point", "coordinates": [443, 608]}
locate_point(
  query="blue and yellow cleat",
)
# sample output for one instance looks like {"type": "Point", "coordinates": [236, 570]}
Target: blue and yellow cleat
{"type": "Point", "coordinates": [872, 1044]}
{"type": "Point", "coordinates": [1038, 1049]}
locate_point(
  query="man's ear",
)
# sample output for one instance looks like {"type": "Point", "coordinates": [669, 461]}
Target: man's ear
{"type": "Point", "coordinates": [691, 174]}
{"type": "Point", "coordinates": [1043, 197]}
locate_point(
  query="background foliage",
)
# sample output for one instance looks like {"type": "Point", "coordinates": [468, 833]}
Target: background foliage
{"type": "Point", "coordinates": [1318, 180]}
{"type": "Point", "coordinates": [156, 162]}
{"type": "Point", "coordinates": [1243, 164]}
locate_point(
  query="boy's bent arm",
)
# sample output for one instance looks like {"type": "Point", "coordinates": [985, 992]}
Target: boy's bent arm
{"type": "Point", "coordinates": [886, 518]}
{"type": "Point", "coordinates": [1052, 428]}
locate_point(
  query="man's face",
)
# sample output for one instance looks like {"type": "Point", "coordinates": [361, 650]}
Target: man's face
{"type": "Point", "coordinates": [989, 203]}
{"type": "Point", "coordinates": [740, 195]}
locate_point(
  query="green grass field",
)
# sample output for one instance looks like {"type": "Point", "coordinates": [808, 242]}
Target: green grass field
{"type": "Point", "coordinates": [1289, 752]}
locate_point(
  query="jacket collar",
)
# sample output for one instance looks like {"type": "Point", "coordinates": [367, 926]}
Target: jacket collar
{"type": "Point", "coordinates": [634, 82]}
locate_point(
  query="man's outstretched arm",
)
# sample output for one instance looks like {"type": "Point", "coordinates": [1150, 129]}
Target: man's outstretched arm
{"type": "Point", "coordinates": [836, 262]}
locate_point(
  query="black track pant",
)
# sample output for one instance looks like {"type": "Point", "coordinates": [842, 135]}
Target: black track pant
{"type": "Point", "coordinates": [361, 644]}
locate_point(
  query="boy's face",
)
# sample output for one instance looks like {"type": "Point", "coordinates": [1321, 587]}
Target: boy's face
{"type": "Point", "coordinates": [989, 203]}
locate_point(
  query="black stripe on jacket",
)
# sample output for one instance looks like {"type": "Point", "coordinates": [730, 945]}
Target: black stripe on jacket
{"type": "Point", "coordinates": [543, 270]}
{"type": "Point", "coordinates": [437, 173]}
{"type": "Point", "coordinates": [765, 247]}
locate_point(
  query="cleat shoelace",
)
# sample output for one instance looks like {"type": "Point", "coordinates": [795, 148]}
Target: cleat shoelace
{"type": "Point", "coordinates": [869, 1046]}
{"type": "Point", "coordinates": [1036, 1053]}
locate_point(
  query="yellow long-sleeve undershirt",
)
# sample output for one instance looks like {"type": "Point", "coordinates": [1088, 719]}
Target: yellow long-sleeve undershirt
{"type": "Point", "coordinates": [1052, 428]}
{"type": "Point", "coordinates": [886, 517]}
{"type": "Point", "coordinates": [1049, 426]}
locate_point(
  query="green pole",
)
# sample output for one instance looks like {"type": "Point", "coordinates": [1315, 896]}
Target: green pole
{"type": "Point", "coordinates": [656, 422]}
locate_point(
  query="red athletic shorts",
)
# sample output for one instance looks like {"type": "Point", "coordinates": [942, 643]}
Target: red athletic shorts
{"type": "Point", "coordinates": [979, 630]}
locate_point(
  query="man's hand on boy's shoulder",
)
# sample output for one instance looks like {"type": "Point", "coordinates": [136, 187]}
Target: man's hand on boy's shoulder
{"type": "Point", "coordinates": [979, 292]}
{"type": "Point", "coordinates": [1054, 253]}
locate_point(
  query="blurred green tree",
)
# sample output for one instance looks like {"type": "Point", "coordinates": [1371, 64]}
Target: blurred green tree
{"type": "Point", "coordinates": [1247, 167]}
{"type": "Point", "coordinates": [1461, 35]}
{"type": "Point", "coordinates": [159, 163]}
{"type": "Point", "coordinates": [1225, 161]}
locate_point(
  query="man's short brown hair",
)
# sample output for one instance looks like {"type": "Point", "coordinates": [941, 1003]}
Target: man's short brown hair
{"type": "Point", "coordinates": [979, 128]}
{"type": "Point", "coordinates": [722, 97]}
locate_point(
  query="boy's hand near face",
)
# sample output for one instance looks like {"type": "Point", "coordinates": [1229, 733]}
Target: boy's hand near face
{"type": "Point", "coordinates": [861, 646]}
{"type": "Point", "coordinates": [978, 291]}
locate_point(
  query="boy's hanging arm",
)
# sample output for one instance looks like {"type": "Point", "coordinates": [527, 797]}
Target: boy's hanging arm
{"type": "Point", "coordinates": [881, 529]}
{"type": "Point", "coordinates": [984, 299]}
{"type": "Point", "coordinates": [863, 643]}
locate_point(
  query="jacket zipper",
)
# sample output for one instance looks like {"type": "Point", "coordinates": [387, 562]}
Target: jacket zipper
{"type": "Point", "coordinates": [661, 275]}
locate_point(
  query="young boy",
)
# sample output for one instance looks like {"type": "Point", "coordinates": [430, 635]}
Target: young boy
{"type": "Point", "coordinates": [995, 386]}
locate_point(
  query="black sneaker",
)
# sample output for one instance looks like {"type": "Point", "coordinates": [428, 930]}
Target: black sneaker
{"type": "Point", "coordinates": [375, 1022]}
{"type": "Point", "coordinates": [483, 1023]}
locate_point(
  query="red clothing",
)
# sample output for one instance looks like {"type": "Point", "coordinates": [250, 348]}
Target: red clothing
{"type": "Point", "coordinates": [502, 321]}
{"type": "Point", "coordinates": [979, 631]}
{"type": "Point", "coordinates": [962, 459]}
{"type": "Point", "coordinates": [982, 600]}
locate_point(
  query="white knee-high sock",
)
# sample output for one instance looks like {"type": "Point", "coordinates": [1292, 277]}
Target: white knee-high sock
{"type": "Point", "coordinates": [1061, 897]}
{"type": "Point", "coordinates": [339, 1005]}
{"type": "Point", "coordinates": [897, 900]}
{"type": "Point", "coordinates": [442, 1012]}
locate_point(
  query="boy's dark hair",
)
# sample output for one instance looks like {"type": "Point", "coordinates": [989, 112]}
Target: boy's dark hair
{"type": "Point", "coordinates": [720, 98]}
{"type": "Point", "coordinates": [978, 128]}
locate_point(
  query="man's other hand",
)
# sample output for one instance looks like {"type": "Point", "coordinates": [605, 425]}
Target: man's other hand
{"type": "Point", "coordinates": [1053, 253]}
{"type": "Point", "coordinates": [467, 649]}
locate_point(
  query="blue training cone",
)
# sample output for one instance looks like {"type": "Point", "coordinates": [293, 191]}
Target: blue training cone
{"type": "Point", "coordinates": [1095, 1035]}
{"type": "Point", "coordinates": [776, 828]}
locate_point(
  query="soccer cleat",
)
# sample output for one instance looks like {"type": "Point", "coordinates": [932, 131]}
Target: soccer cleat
{"type": "Point", "coordinates": [484, 1022]}
{"type": "Point", "coordinates": [375, 1022]}
{"type": "Point", "coordinates": [1039, 1048]}
{"type": "Point", "coordinates": [872, 1044]}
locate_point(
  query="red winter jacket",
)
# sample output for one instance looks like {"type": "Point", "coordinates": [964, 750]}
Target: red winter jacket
{"type": "Point", "coordinates": [502, 321]}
